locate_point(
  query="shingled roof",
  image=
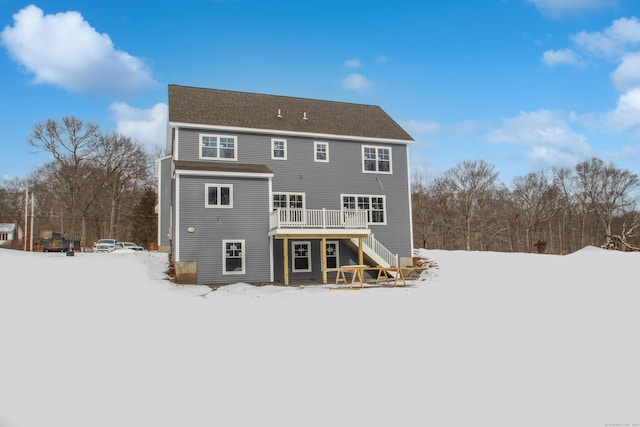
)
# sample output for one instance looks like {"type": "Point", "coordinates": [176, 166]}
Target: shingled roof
{"type": "Point", "coordinates": [216, 107]}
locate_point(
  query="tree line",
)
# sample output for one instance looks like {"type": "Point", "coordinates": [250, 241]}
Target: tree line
{"type": "Point", "coordinates": [557, 211]}
{"type": "Point", "coordinates": [96, 185]}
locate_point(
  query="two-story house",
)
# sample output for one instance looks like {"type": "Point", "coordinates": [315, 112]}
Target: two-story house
{"type": "Point", "coordinates": [266, 188]}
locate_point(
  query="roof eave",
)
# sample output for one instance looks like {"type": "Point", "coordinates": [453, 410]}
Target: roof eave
{"type": "Point", "coordinates": [290, 133]}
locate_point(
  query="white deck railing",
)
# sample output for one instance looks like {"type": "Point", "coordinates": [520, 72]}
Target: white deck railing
{"type": "Point", "coordinates": [317, 218]}
{"type": "Point", "coordinates": [380, 250]}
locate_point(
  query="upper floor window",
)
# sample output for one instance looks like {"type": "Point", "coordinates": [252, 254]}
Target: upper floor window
{"type": "Point", "coordinates": [218, 147]}
{"type": "Point", "coordinates": [321, 151]}
{"type": "Point", "coordinates": [376, 159]}
{"type": "Point", "coordinates": [218, 195]}
{"type": "Point", "coordinates": [278, 149]}
{"type": "Point", "coordinates": [373, 205]}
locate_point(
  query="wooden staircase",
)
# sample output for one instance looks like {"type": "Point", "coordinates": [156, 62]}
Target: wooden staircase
{"type": "Point", "coordinates": [375, 253]}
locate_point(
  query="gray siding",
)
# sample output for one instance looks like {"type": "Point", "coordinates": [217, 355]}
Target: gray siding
{"type": "Point", "coordinates": [346, 257]}
{"type": "Point", "coordinates": [165, 199]}
{"type": "Point", "coordinates": [248, 220]}
{"type": "Point", "coordinates": [323, 183]}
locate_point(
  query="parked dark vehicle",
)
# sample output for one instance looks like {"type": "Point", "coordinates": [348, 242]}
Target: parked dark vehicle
{"type": "Point", "coordinates": [51, 241]}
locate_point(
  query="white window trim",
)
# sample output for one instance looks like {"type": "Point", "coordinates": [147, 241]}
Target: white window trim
{"type": "Point", "coordinates": [337, 255]}
{"type": "Point", "coordinates": [224, 257]}
{"type": "Point", "coordinates": [285, 193]}
{"type": "Point", "coordinates": [369, 196]}
{"type": "Point", "coordinates": [218, 186]}
{"type": "Point", "coordinates": [235, 147]}
{"type": "Point", "coordinates": [315, 151]}
{"type": "Point", "coordinates": [377, 148]}
{"type": "Point", "coordinates": [293, 256]}
{"type": "Point", "coordinates": [291, 216]}
{"type": "Point", "coordinates": [273, 148]}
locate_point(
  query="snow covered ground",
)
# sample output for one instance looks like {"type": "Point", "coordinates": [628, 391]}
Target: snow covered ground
{"type": "Point", "coordinates": [491, 339]}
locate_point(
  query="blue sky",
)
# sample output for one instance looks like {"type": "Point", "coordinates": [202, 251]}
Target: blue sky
{"type": "Point", "coordinates": [522, 84]}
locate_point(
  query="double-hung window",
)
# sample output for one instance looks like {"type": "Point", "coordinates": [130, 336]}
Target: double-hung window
{"type": "Point", "coordinates": [301, 256]}
{"type": "Point", "coordinates": [278, 149]}
{"type": "Point", "coordinates": [233, 261]}
{"type": "Point", "coordinates": [321, 151]}
{"type": "Point", "coordinates": [376, 159]}
{"type": "Point", "coordinates": [220, 147]}
{"type": "Point", "coordinates": [374, 206]}
{"type": "Point", "coordinates": [218, 195]}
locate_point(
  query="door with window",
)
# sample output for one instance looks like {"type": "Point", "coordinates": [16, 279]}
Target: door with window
{"type": "Point", "coordinates": [332, 254]}
{"type": "Point", "coordinates": [291, 206]}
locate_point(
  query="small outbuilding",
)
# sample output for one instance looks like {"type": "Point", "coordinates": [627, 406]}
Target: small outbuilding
{"type": "Point", "coordinates": [9, 232]}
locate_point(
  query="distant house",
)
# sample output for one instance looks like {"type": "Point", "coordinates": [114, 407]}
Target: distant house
{"type": "Point", "coordinates": [267, 188]}
{"type": "Point", "coordinates": [8, 233]}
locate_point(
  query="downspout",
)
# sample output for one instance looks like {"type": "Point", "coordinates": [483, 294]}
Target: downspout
{"type": "Point", "coordinates": [271, 240]}
{"type": "Point", "coordinates": [176, 240]}
{"type": "Point", "coordinates": [410, 203]}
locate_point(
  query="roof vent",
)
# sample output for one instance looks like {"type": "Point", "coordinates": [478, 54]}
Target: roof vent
{"type": "Point", "coordinates": [279, 115]}
{"type": "Point", "coordinates": [304, 116]}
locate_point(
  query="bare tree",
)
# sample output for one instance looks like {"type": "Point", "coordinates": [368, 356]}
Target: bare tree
{"type": "Point", "coordinates": [125, 165]}
{"type": "Point", "coordinates": [606, 189]}
{"type": "Point", "coordinates": [420, 209]}
{"type": "Point", "coordinates": [561, 212]}
{"type": "Point", "coordinates": [71, 142]}
{"type": "Point", "coordinates": [469, 185]}
{"type": "Point", "coordinates": [535, 201]}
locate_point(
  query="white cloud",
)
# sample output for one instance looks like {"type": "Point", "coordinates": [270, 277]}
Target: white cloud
{"type": "Point", "coordinates": [617, 43]}
{"type": "Point", "coordinates": [381, 59]}
{"type": "Point", "coordinates": [560, 8]}
{"type": "Point", "coordinates": [617, 39]}
{"type": "Point", "coordinates": [547, 135]}
{"type": "Point", "coordinates": [64, 50]}
{"type": "Point", "coordinates": [147, 127]}
{"type": "Point", "coordinates": [415, 127]}
{"type": "Point", "coordinates": [626, 115]}
{"type": "Point", "coordinates": [353, 63]}
{"type": "Point", "coordinates": [357, 82]}
{"type": "Point", "coordinates": [561, 57]}
{"type": "Point", "coordinates": [627, 75]}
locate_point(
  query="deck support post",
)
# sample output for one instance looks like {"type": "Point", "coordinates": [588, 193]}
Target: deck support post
{"type": "Point", "coordinates": [323, 251]}
{"type": "Point", "coordinates": [285, 244]}
{"type": "Point", "coordinates": [360, 252]}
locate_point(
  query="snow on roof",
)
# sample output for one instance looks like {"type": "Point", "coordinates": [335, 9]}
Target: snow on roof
{"type": "Point", "coordinates": [7, 228]}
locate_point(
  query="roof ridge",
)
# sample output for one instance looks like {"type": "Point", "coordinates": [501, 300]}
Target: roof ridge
{"type": "Point", "coordinates": [304, 98]}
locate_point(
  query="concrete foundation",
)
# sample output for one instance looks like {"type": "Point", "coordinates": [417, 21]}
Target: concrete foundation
{"type": "Point", "coordinates": [406, 261]}
{"type": "Point", "coordinates": [186, 272]}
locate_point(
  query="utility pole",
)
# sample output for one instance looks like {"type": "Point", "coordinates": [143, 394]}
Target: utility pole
{"type": "Point", "coordinates": [32, 216]}
{"type": "Point", "coordinates": [26, 215]}
{"type": "Point", "coordinates": [28, 236]}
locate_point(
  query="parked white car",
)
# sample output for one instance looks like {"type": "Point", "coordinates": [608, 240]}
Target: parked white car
{"type": "Point", "coordinates": [105, 245]}
{"type": "Point", "coordinates": [129, 245]}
